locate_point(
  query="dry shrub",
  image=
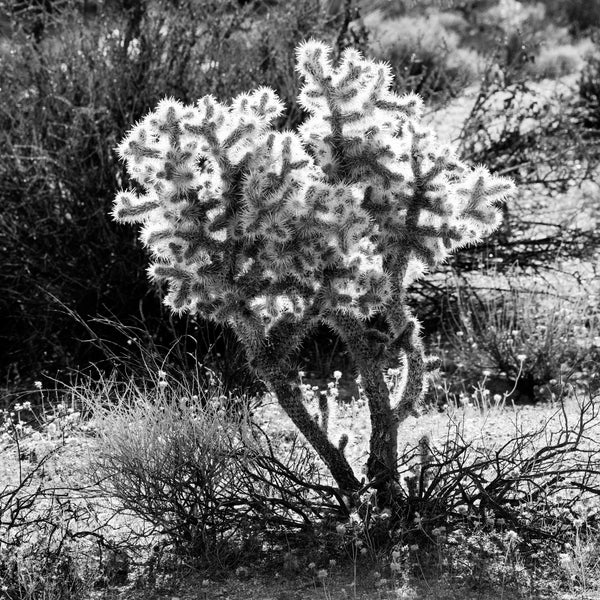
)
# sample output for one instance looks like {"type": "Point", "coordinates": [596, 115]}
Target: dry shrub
{"type": "Point", "coordinates": [195, 466]}
{"type": "Point", "coordinates": [525, 339]}
{"type": "Point", "coordinates": [558, 60]}
{"type": "Point", "coordinates": [583, 15]}
{"type": "Point", "coordinates": [540, 482]}
{"type": "Point", "coordinates": [425, 56]}
{"type": "Point", "coordinates": [42, 526]}
{"type": "Point", "coordinates": [589, 92]}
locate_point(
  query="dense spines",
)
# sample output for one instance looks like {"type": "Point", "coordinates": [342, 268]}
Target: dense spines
{"type": "Point", "coordinates": [239, 215]}
{"type": "Point", "coordinates": [423, 201]}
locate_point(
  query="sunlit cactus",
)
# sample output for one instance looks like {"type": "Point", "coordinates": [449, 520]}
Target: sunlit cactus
{"type": "Point", "coordinates": [274, 232]}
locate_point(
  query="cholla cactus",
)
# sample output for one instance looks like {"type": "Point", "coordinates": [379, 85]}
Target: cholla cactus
{"type": "Point", "coordinates": [273, 232]}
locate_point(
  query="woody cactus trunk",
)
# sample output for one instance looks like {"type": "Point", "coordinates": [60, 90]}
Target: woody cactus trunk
{"type": "Point", "coordinates": [274, 232]}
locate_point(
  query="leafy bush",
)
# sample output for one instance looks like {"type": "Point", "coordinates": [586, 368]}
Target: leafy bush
{"type": "Point", "coordinates": [66, 97]}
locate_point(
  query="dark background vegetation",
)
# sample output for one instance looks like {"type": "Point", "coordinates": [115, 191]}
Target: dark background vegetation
{"type": "Point", "coordinates": [76, 74]}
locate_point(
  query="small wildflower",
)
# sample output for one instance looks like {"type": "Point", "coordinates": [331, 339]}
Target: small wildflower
{"type": "Point", "coordinates": [332, 562]}
{"type": "Point", "coordinates": [565, 560]}
{"type": "Point", "coordinates": [162, 374]}
{"type": "Point", "coordinates": [512, 536]}
{"type": "Point", "coordinates": [301, 374]}
{"type": "Point", "coordinates": [341, 529]}
{"type": "Point", "coordinates": [337, 375]}
{"type": "Point", "coordinates": [321, 573]}
{"type": "Point", "coordinates": [414, 548]}
{"type": "Point", "coordinates": [38, 384]}
{"type": "Point", "coordinates": [311, 565]}
{"type": "Point", "coordinates": [521, 357]}
{"type": "Point", "coordinates": [487, 373]}
{"type": "Point", "coordinates": [363, 551]}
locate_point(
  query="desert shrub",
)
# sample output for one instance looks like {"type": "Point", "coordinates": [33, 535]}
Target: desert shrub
{"type": "Point", "coordinates": [582, 15]}
{"type": "Point", "coordinates": [524, 342]}
{"type": "Point", "coordinates": [589, 92]}
{"type": "Point", "coordinates": [557, 60]}
{"type": "Point", "coordinates": [42, 527]}
{"type": "Point", "coordinates": [66, 97]}
{"type": "Point", "coordinates": [194, 465]}
{"type": "Point", "coordinates": [515, 482]}
{"type": "Point", "coordinates": [525, 132]}
{"type": "Point", "coordinates": [426, 57]}
{"type": "Point", "coordinates": [578, 15]}
{"type": "Point", "coordinates": [512, 15]}
{"type": "Point", "coordinates": [502, 506]}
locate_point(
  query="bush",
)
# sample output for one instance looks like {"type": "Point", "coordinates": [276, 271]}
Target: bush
{"type": "Point", "coordinates": [195, 466]}
{"type": "Point", "coordinates": [557, 60]}
{"type": "Point", "coordinates": [425, 57]}
{"type": "Point", "coordinates": [583, 14]}
{"type": "Point", "coordinates": [40, 556]}
{"type": "Point", "coordinates": [579, 15]}
{"type": "Point", "coordinates": [589, 92]}
{"type": "Point", "coordinates": [538, 479]}
{"type": "Point", "coordinates": [66, 97]}
{"type": "Point", "coordinates": [522, 342]}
